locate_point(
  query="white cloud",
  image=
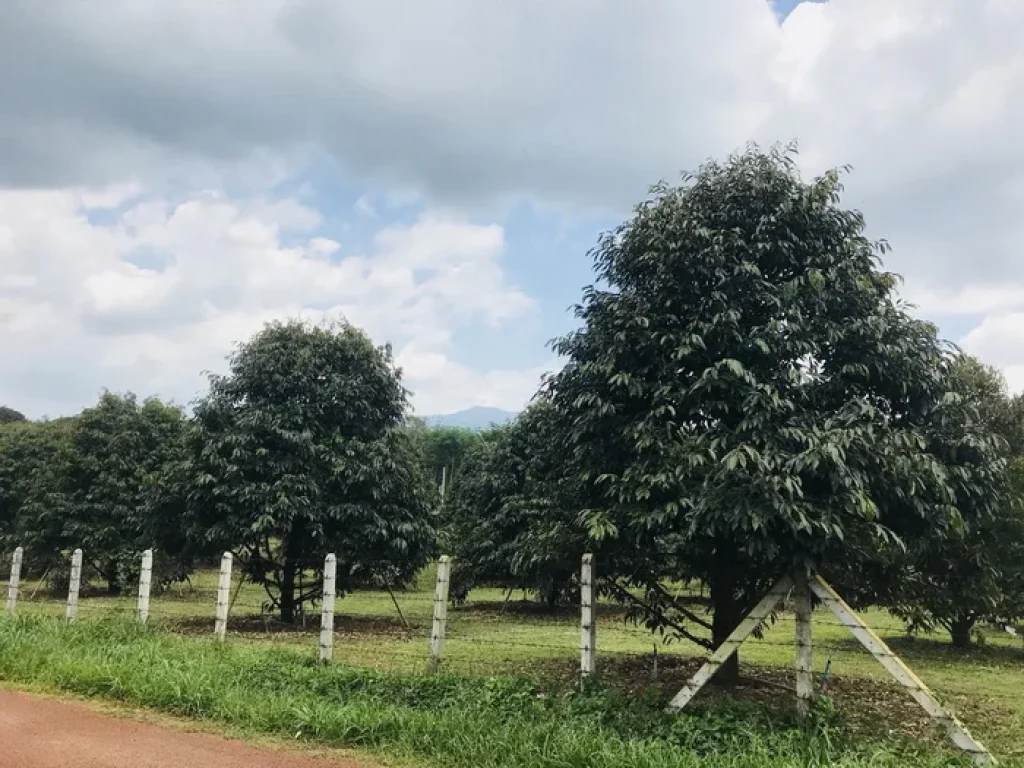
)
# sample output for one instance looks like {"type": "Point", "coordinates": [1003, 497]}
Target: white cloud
{"type": "Point", "coordinates": [364, 207]}
{"type": "Point", "coordinates": [110, 197]}
{"type": "Point", "coordinates": [925, 100]}
{"type": "Point", "coordinates": [464, 105]}
{"type": "Point", "coordinates": [977, 299]}
{"type": "Point", "coordinates": [999, 341]}
{"type": "Point", "coordinates": [79, 313]}
{"type": "Point", "coordinates": [423, 360]}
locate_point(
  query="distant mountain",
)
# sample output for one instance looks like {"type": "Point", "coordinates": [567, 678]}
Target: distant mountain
{"type": "Point", "coordinates": [477, 417]}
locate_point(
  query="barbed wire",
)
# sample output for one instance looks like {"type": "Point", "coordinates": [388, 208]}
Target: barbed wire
{"type": "Point", "coordinates": [513, 644]}
{"type": "Point", "coordinates": [252, 608]}
{"type": "Point", "coordinates": [399, 622]}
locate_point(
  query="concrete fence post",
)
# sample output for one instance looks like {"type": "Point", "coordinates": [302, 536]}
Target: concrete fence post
{"type": "Point", "coordinates": [145, 581]}
{"type": "Point", "coordinates": [804, 650]}
{"type": "Point", "coordinates": [71, 613]}
{"type": "Point", "coordinates": [588, 623]}
{"type": "Point", "coordinates": [220, 627]}
{"type": "Point", "coordinates": [327, 609]}
{"type": "Point", "coordinates": [444, 573]}
{"type": "Point", "coordinates": [15, 583]}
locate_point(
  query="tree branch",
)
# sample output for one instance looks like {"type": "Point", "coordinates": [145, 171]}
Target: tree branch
{"type": "Point", "coordinates": [397, 608]}
{"type": "Point", "coordinates": [690, 615]}
{"type": "Point", "coordinates": [660, 614]}
{"type": "Point", "coordinates": [238, 589]}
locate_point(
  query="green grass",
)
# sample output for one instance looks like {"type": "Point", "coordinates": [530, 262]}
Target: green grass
{"type": "Point", "coordinates": [982, 685]}
{"type": "Point", "coordinates": [448, 719]}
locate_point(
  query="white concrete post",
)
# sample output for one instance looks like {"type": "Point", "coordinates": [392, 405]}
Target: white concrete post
{"type": "Point", "coordinates": [15, 582]}
{"type": "Point", "coordinates": [444, 572]}
{"type": "Point", "coordinates": [220, 627]}
{"type": "Point", "coordinates": [804, 657]}
{"type": "Point", "coordinates": [73, 586]}
{"type": "Point", "coordinates": [327, 609]}
{"type": "Point", "coordinates": [145, 581]}
{"type": "Point", "coordinates": [588, 625]}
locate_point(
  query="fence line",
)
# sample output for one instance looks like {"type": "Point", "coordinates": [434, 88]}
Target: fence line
{"type": "Point", "coordinates": [789, 601]}
{"type": "Point", "coordinates": [615, 632]}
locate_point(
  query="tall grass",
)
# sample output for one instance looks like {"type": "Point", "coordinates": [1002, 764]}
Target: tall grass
{"type": "Point", "coordinates": [466, 722]}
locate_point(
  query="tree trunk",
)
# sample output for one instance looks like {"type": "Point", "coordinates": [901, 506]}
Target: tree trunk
{"type": "Point", "coordinates": [288, 592]}
{"type": "Point", "coordinates": [113, 586]}
{"type": "Point", "coordinates": [291, 565]}
{"type": "Point", "coordinates": [960, 631]}
{"type": "Point", "coordinates": [725, 612]}
{"type": "Point", "coordinates": [551, 599]}
{"type": "Point", "coordinates": [554, 591]}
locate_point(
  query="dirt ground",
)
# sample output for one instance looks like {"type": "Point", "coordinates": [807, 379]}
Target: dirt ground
{"type": "Point", "coordinates": [44, 733]}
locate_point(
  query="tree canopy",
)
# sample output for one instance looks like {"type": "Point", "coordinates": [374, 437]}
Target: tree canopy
{"type": "Point", "coordinates": [86, 482]}
{"type": "Point", "coordinates": [120, 449]}
{"type": "Point", "coordinates": [298, 452]}
{"type": "Point", "coordinates": [10, 416]}
{"type": "Point", "coordinates": [956, 579]}
{"type": "Point", "coordinates": [510, 522]}
{"type": "Point", "coordinates": [34, 457]}
{"type": "Point", "coordinates": [745, 388]}
{"type": "Point", "coordinates": [444, 450]}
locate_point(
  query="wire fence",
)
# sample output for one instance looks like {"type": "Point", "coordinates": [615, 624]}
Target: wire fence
{"type": "Point", "coordinates": [419, 628]}
{"type": "Point", "coordinates": [487, 631]}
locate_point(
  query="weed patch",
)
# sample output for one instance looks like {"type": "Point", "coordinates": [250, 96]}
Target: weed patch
{"type": "Point", "coordinates": [463, 721]}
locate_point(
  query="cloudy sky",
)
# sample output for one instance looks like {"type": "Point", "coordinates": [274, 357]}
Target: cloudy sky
{"type": "Point", "coordinates": [173, 173]}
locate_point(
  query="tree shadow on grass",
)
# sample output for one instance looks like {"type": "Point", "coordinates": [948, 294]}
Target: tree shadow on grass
{"type": "Point", "coordinates": [930, 649]}
{"type": "Point", "coordinates": [256, 625]}
{"type": "Point", "coordinates": [867, 707]}
{"type": "Point", "coordinates": [533, 609]}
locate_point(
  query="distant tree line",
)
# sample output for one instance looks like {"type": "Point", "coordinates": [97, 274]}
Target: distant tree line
{"type": "Point", "coordinates": [300, 450]}
{"type": "Point", "coordinates": [744, 397]}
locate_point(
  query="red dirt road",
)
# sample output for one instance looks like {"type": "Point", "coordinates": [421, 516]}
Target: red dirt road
{"type": "Point", "coordinates": [44, 733]}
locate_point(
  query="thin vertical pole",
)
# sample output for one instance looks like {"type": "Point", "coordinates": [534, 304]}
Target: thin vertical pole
{"type": "Point", "coordinates": [327, 609]}
{"type": "Point", "coordinates": [15, 583]}
{"type": "Point", "coordinates": [444, 572]}
{"type": "Point", "coordinates": [588, 625]}
{"type": "Point", "coordinates": [220, 627]}
{"type": "Point", "coordinates": [145, 581]}
{"type": "Point", "coordinates": [73, 585]}
{"type": "Point", "coordinates": [804, 648]}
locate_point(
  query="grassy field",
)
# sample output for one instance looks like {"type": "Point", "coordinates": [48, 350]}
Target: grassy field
{"type": "Point", "coordinates": [504, 642]}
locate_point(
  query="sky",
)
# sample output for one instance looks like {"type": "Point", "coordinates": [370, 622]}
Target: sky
{"type": "Point", "coordinates": [175, 173]}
